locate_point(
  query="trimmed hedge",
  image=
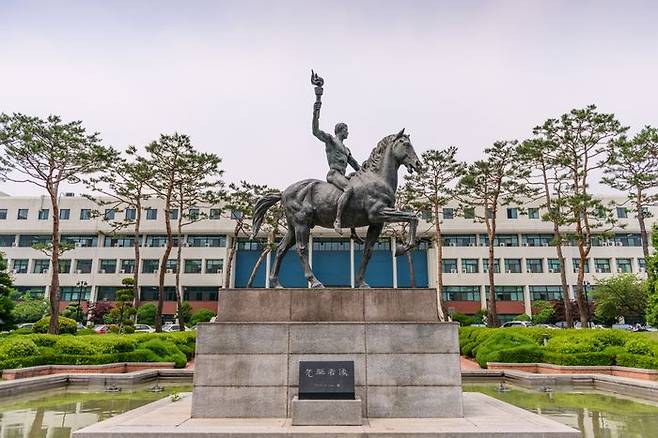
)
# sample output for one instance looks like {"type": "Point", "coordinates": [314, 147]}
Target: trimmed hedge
{"type": "Point", "coordinates": [43, 349]}
{"type": "Point", "coordinates": [560, 347]}
{"type": "Point", "coordinates": [65, 325]}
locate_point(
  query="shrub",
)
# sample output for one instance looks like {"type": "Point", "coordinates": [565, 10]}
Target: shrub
{"type": "Point", "coordinates": [522, 317]}
{"type": "Point", "coordinates": [22, 331]}
{"type": "Point", "coordinates": [489, 350]}
{"type": "Point", "coordinates": [18, 347]}
{"type": "Point", "coordinates": [71, 345]}
{"type": "Point", "coordinates": [591, 359]}
{"type": "Point", "coordinates": [522, 354]}
{"type": "Point", "coordinates": [65, 325]}
{"type": "Point", "coordinates": [165, 351]}
{"type": "Point", "coordinates": [85, 331]}
{"type": "Point", "coordinates": [636, 361]}
{"type": "Point", "coordinates": [201, 315]}
{"type": "Point", "coordinates": [146, 314]}
{"type": "Point", "coordinates": [638, 346]}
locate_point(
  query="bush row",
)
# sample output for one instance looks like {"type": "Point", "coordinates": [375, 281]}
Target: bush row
{"type": "Point", "coordinates": [560, 347]}
{"type": "Point", "coordinates": [43, 349]}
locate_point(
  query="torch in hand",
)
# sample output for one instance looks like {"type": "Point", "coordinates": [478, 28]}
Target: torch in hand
{"type": "Point", "coordinates": [318, 82]}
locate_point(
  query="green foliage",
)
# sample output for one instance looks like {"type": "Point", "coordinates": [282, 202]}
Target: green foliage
{"type": "Point", "coordinates": [74, 311]}
{"type": "Point", "coordinates": [65, 325]}
{"type": "Point", "coordinates": [6, 303]}
{"type": "Point", "coordinates": [522, 317]}
{"type": "Point", "coordinates": [121, 314]}
{"type": "Point", "coordinates": [29, 309]}
{"type": "Point", "coordinates": [167, 351]}
{"type": "Point", "coordinates": [201, 315]}
{"type": "Point", "coordinates": [652, 281]}
{"type": "Point", "coordinates": [18, 347]}
{"type": "Point", "coordinates": [639, 346]}
{"type": "Point", "coordinates": [185, 312]}
{"type": "Point", "coordinates": [74, 345]}
{"type": "Point", "coordinates": [622, 295]}
{"type": "Point", "coordinates": [490, 350]}
{"type": "Point", "coordinates": [543, 312]}
{"type": "Point", "coordinates": [146, 314]}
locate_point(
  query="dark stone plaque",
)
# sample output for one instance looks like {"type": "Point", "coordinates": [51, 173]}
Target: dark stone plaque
{"type": "Point", "coordinates": [326, 380]}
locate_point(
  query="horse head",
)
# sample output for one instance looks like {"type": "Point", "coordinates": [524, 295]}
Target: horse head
{"type": "Point", "coordinates": [404, 152]}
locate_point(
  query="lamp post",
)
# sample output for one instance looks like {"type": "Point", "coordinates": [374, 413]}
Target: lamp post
{"type": "Point", "coordinates": [80, 284]}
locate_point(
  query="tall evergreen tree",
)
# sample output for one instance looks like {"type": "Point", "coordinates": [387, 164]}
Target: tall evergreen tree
{"type": "Point", "coordinates": [6, 303]}
{"type": "Point", "coordinates": [432, 190]}
{"type": "Point", "coordinates": [47, 153]}
{"type": "Point", "coordinates": [633, 168]}
{"type": "Point", "coordinates": [582, 140]}
{"type": "Point", "coordinates": [499, 179]}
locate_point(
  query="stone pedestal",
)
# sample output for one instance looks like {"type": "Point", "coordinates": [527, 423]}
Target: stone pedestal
{"type": "Point", "coordinates": [406, 362]}
{"type": "Point", "coordinates": [326, 412]}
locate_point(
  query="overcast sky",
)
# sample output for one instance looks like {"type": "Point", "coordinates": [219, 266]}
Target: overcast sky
{"type": "Point", "coordinates": [235, 75]}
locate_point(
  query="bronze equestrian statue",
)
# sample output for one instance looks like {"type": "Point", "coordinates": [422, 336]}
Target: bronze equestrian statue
{"type": "Point", "coordinates": [368, 198]}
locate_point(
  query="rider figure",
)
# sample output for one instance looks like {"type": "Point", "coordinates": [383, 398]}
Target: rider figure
{"type": "Point", "coordinates": [338, 155]}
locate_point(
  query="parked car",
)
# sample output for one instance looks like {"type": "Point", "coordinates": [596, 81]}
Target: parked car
{"type": "Point", "coordinates": [143, 328]}
{"type": "Point", "coordinates": [627, 327]}
{"type": "Point", "coordinates": [25, 325]}
{"type": "Point", "coordinates": [517, 324]}
{"type": "Point", "coordinates": [548, 326]}
{"type": "Point", "coordinates": [101, 329]}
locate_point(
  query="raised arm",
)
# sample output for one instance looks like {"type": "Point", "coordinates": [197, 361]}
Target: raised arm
{"type": "Point", "coordinates": [320, 134]}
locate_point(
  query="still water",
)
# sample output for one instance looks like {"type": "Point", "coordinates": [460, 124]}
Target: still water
{"type": "Point", "coordinates": [57, 413]}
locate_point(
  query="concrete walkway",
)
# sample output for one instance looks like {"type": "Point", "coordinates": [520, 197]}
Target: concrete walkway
{"type": "Point", "coordinates": [468, 364]}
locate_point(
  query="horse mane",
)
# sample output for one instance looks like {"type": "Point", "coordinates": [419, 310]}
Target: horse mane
{"type": "Point", "coordinates": [374, 161]}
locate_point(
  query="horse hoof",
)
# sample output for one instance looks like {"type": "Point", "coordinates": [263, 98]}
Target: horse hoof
{"type": "Point", "coordinates": [317, 285]}
{"type": "Point", "coordinates": [338, 228]}
{"type": "Point", "coordinates": [275, 284]}
{"type": "Point", "coordinates": [364, 285]}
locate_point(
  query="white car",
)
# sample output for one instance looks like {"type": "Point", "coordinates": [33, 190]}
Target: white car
{"type": "Point", "coordinates": [143, 328]}
{"type": "Point", "coordinates": [517, 324]}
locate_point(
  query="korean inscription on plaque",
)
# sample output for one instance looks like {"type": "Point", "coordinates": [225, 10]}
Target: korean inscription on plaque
{"type": "Point", "coordinates": [326, 380]}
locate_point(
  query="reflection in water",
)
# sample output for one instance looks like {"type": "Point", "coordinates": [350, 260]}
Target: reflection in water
{"type": "Point", "coordinates": [56, 414]}
{"type": "Point", "coordinates": [595, 414]}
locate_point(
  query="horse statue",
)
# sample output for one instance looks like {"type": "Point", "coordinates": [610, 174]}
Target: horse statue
{"type": "Point", "coordinates": [311, 202]}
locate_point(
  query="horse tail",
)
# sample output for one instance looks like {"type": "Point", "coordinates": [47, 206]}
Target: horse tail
{"type": "Point", "coordinates": [260, 209]}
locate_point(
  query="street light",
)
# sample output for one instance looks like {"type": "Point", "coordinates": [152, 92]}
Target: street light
{"type": "Point", "coordinates": [80, 284]}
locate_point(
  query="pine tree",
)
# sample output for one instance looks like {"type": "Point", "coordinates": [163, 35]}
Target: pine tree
{"type": "Point", "coordinates": [6, 303]}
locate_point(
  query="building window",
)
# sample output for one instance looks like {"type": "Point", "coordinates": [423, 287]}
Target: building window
{"type": "Point", "coordinates": [545, 293]}
{"type": "Point", "coordinates": [43, 214]}
{"type": "Point", "coordinates": [469, 213]}
{"type": "Point", "coordinates": [193, 213]}
{"type": "Point", "coordinates": [150, 293]}
{"type": "Point", "coordinates": [151, 214]}
{"type": "Point", "coordinates": [642, 264]}
{"type": "Point", "coordinates": [38, 292]}
{"type": "Point", "coordinates": [83, 241]}
{"type": "Point", "coordinates": [64, 266]}
{"type": "Point", "coordinates": [109, 214]}
{"type": "Point", "coordinates": [626, 240]}
{"type": "Point", "coordinates": [507, 293]}
{"type": "Point", "coordinates": [214, 266]}
{"type": "Point", "coordinates": [534, 265]}
{"type": "Point", "coordinates": [602, 265]}
{"type": "Point", "coordinates": [215, 213]}
{"type": "Point", "coordinates": [85, 214]}
{"type": "Point", "coordinates": [156, 241]}
{"type": "Point", "coordinates": [533, 213]}
{"type": "Point", "coordinates": [485, 265]}
{"type": "Point", "coordinates": [576, 264]}
{"type": "Point", "coordinates": [449, 266]}
{"type": "Point", "coordinates": [200, 293]}
{"type": "Point", "coordinates": [75, 293]}
{"type": "Point", "coordinates": [513, 266]}
{"type": "Point", "coordinates": [537, 239]}
{"type": "Point", "coordinates": [512, 213]}
{"type": "Point", "coordinates": [236, 215]}
{"type": "Point", "coordinates": [553, 265]}
{"type": "Point", "coordinates": [65, 214]}
{"type": "Point", "coordinates": [19, 266]}
{"type": "Point", "coordinates": [22, 214]}
{"type": "Point", "coordinates": [150, 266]}
{"type": "Point", "coordinates": [40, 266]}
{"type": "Point", "coordinates": [83, 266]}
{"type": "Point", "coordinates": [173, 215]}
{"type": "Point", "coordinates": [622, 213]}
{"type": "Point", "coordinates": [106, 293]}
{"type": "Point", "coordinates": [470, 266]}
{"type": "Point", "coordinates": [459, 240]}
{"type": "Point", "coordinates": [7, 240]}
{"type": "Point", "coordinates": [318, 245]}
{"type": "Point", "coordinates": [29, 240]}
{"type": "Point", "coordinates": [107, 266]}
{"type": "Point", "coordinates": [171, 267]}
{"type": "Point", "coordinates": [461, 293]}
{"type": "Point", "coordinates": [118, 241]}
{"type": "Point", "coordinates": [3, 213]}
{"type": "Point", "coordinates": [210, 241]}
{"type": "Point", "coordinates": [624, 266]}
{"type": "Point", "coordinates": [500, 240]}
{"type": "Point", "coordinates": [193, 266]}
{"type": "Point", "coordinates": [130, 214]}
{"type": "Point", "coordinates": [448, 213]}
{"type": "Point", "coordinates": [127, 266]}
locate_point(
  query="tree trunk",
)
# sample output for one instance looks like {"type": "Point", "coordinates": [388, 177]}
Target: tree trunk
{"type": "Point", "coordinates": [179, 290]}
{"type": "Point", "coordinates": [492, 314]}
{"type": "Point", "coordinates": [163, 268]}
{"type": "Point", "coordinates": [259, 261]}
{"type": "Point", "coordinates": [563, 279]}
{"type": "Point", "coordinates": [412, 272]}
{"type": "Point", "coordinates": [644, 236]}
{"type": "Point", "coordinates": [53, 328]}
{"type": "Point", "coordinates": [137, 242]}
{"type": "Point", "coordinates": [439, 265]}
{"type": "Point", "coordinates": [583, 308]}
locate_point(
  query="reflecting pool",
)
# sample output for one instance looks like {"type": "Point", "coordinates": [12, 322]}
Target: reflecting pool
{"type": "Point", "coordinates": [595, 414]}
{"type": "Point", "coordinates": [57, 413]}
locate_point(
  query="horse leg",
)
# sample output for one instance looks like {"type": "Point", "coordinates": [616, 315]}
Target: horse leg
{"type": "Point", "coordinates": [282, 248]}
{"type": "Point", "coordinates": [374, 230]}
{"type": "Point", "coordinates": [301, 235]}
{"type": "Point", "coordinates": [393, 215]}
